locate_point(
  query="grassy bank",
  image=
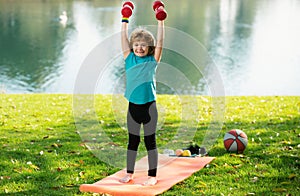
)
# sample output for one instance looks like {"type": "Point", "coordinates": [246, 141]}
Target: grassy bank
{"type": "Point", "coordinates": [43, 154]}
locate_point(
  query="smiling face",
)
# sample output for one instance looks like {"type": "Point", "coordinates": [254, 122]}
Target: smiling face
{"type": "Point", "coordinates": [142, 42]}
{"type": "Point", "coordinates": [140, 48]}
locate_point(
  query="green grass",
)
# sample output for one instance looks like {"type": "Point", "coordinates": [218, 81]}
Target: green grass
{"type": "Point", "coordinates": [43, 154]}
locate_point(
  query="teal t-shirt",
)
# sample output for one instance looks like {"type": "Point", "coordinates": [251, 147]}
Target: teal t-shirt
{"type": "Point", "coordinates": [140, 78]}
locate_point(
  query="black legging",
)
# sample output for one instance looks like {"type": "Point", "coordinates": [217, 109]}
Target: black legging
{"type": "Point", "coordinates": [145, 114]}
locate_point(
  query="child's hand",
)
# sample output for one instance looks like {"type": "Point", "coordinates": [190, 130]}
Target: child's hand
{"type": "Point", "coordinates": [126, 11]}
{"type": "Point", "coordinates": [159, 9]}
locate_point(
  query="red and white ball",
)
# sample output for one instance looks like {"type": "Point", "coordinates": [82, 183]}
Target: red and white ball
{"type": "Point", "coordinates": [235, 140]}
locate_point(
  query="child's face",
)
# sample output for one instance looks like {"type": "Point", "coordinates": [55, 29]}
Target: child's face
{"type": "Point", "coordinates": [140, 48]}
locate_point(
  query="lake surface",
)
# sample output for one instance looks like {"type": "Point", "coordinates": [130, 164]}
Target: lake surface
{"type": "Point", "coordinates": [254, 45]}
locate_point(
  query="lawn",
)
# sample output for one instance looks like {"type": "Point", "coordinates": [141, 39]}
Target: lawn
{"type": "Point", "coordinates": [43, 152]}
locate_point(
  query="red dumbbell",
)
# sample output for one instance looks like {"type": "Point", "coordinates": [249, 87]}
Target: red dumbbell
{"type": "Point", "coordinates": [126, 11]}
{"type": "Point", "coordinates": [159, 8]}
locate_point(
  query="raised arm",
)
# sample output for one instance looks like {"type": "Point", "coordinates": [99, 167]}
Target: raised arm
{"type": "Point", "coordinates": [160, 14]}
{"type": "Point", "coordinates": [124, 40]}
{"type": "Point", "coordinates": [159, 40]}
{"type": "Point", "coordinates": [126, 12]}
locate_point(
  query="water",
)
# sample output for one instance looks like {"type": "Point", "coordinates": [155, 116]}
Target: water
{"type": "Point", "coordinates": [254, 44]}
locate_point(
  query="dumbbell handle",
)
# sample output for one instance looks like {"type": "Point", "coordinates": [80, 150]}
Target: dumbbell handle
{"type": "Point", "coordinates": [157, 4]}
{"type": "Point", "coordinates": [126, 11]}
{"type": "Point", "coordinates": [129, 3]}
{"type": "Point", "coordinates": [160, 12]}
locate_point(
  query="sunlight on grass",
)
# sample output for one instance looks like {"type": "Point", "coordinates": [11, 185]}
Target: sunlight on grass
{"type": "Point", "coordinates": [43, 154]}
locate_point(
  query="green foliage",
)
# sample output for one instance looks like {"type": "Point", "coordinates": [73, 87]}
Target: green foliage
{"type": "Point", "coordinates": [42, 152]}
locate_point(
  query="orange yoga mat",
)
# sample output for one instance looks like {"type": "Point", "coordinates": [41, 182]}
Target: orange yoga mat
{"type": "Point", "coordinates": [171, 170]}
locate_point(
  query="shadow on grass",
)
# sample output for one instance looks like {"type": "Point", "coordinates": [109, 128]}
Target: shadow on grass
{"type": "Point", "coordinates": [270, 161]}
{"type": "Point", "coordinates": [58, 170]}
{"type": "Point", "coordinates": [49, 162]}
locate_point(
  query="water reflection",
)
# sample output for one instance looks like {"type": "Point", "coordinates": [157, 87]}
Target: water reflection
{"type": "Point", "coordinates": [30, 45]}
{"type": "Point", "coordinates": [255, 44]}
{"type": "Point", "coordinates": [275, 55]}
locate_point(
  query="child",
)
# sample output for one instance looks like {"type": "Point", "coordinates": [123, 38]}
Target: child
{"type": "Point", "coordinates": [141, 56]}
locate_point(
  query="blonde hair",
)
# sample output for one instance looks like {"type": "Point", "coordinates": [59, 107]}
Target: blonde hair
{"type": "Point", "coordinates": [140, 34]}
